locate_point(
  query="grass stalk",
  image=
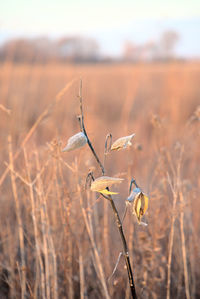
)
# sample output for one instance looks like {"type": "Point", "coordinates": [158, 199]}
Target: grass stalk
{"type": "Point", "coordinates": [45, 247]}
{"type": "Point", "coordinates": [81, 273]}
{"type": "Point", "coordinates": [171, 238]}
{"type": "Point", "coordinates": [49, 249]}
{"type": "Point", "coordinates": [22, 268]}
{"type": "Point", "coordinates": [70, 270]}
{"type": "Point", "coordinates": [95, 250]}
{"type": "Point", "coordinates": [183, 247]}
{"type": "Point", "coordinates": [105, 232]}
{"type": "Point", "coordinates": [40, 277]}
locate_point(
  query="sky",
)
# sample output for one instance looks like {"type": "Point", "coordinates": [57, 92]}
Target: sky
{"type": "Point", "coordinates": [111, 22]}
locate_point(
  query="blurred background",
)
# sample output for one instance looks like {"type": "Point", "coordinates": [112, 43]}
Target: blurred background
{"type": "Point", "coordinates": [140, 68]}
{"type": "Point", "coordinates": [94, 31]}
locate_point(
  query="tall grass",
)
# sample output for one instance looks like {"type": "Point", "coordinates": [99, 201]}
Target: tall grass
{"type": "Point", "coordinates": [58, 242]}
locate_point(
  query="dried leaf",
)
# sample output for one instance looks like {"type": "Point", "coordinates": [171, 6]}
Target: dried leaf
{"type": "Point", "coordinates": [122, 143]}
{"type": "Point", "coordinates": [103, 182]}
{"type": "Point", "coordinates": [76, 141]}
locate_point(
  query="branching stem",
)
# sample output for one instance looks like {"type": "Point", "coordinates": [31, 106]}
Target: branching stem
{"type": "Point", "coordinates": [116, 214]}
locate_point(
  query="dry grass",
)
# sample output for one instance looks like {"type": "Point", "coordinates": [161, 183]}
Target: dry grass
{"type": "Point", "coordinates": [59, 241]}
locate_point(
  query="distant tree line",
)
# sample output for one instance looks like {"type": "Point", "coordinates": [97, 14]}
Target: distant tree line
{"type": "Point", "coordinates": [42, 49]}
{"type": "Point", "coordinates": [79, 49]}
{"type": "Point", "coordinates": [162, 50]}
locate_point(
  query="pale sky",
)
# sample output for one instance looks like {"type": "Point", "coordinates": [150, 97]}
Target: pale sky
{"type": "Point", "coordinates": [110, 21]}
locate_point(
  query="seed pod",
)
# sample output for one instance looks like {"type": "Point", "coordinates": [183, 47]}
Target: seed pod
{"type": "Point", "coordinates": [103, 182]}
{"type": "Point", "coordinates": [76, 141]}
{"type": "Point", "coordinates": [122, 143]}
{"type": "Point", "coordinates": [139, 203]}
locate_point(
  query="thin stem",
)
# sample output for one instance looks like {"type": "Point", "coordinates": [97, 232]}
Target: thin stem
{"type": "Point", "coordinates": [125, 248]}
{"type": "Point", "coordinates": [40, 275]}
{"type": "Point", "coordinates": [107, 147]}
{"type": "Point", "coordinates": [183, 247]}
{"type": "Point", "coordinates": [124, 215]}
{"type": "Point", "coordinates": [81, 120]}
{"type": "Point", "coordinates": [116, 265]}
{"type": "Point", "coordinates": [133, 181]}
{"type": "Point", "coordinates": [19, 222]}
{"type": "Point", "coordinates": [116, 214]}
{"type": "Point", "coordinates": [81, 271]}
{"type": "Point", "coordinates": [171, 238]}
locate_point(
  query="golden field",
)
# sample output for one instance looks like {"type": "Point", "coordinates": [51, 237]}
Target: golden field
{"type": "Point", "coordinates": [58, 240]}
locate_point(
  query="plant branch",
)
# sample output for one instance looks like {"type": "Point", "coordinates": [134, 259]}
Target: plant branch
{"type": "Point", "coordinates": [133, 181]}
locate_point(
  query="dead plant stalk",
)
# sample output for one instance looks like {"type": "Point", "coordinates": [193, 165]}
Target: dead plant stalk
{"type": "Point", "coordinates": [40, 277]}
{"type": "Point", "coordinates": [177, 194]}
{"type": "Point", "coordinates": [22, 268]}
{"type": "Point", "coordinates": [114, 209]}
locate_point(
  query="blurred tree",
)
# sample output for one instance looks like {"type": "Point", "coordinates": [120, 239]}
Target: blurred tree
{"type": "Point", "coordinates": [168, 42]}
{"type": "Point", "coordinates": [42, 49]}
{"type": "Point", "coordinates": [17, 50]}
{"type": "Point", "coordinates": [28, 50]}
{"type": "Point", "coordinates": [131, 51]}
{"type": "Point", "coordinates": [164, 49]}
{"type": "Point", "coordinates": [145, 52]}
{"type": "Point", "coordinates": [78, 49]}
{"type": "Point", "coordinates": [150, 50]}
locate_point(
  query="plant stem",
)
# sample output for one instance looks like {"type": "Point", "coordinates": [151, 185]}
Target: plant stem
{"type": "Point", "coordinates": [125, 248]}
{"type": "Point", "coordinates": [22, 268]}
{"type": "Point", "coordinates": [116, 214]}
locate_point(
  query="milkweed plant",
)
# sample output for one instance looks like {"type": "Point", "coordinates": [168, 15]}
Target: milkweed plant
{"type": "Point", "coordinates": [137, 199]}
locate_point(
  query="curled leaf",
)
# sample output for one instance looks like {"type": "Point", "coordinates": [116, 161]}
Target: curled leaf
{"type": "Point", "coordinates": [139, 203]}
{"type": "Point", "coordinates": [103, 182]}
{"type": "Point", "coordinates": [76, 141]}
{"type": "Point", "coordinates": [122, 143]}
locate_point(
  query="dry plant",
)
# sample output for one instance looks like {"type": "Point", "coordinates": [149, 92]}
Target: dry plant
{"type": "Point", "coordinates": [57, 237]}
{"type": "Point", "coordinates": [102, 185]}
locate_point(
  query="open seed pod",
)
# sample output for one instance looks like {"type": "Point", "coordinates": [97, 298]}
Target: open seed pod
{"type": "Point", "coordinates": [122, 143]}
{"type": "Point", "coordinates": [103, 182]}
{"type": "Point", "coordinates": [139, 202]}
{"type": "Point", "coordinates": [76, 141]}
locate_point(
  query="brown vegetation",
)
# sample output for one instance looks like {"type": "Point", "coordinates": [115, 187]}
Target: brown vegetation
{"type": "Point", "coordinates": [58, 241]}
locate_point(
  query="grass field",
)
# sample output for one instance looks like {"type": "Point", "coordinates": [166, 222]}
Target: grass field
{"type": "Point", "coordinates": [58, 240]}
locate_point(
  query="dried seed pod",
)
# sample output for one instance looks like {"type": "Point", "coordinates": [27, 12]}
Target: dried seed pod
{"type": "Point", "coordinates": [139, 203]}
{"type": "Point", "coordinates": [76, 141]}
{"type": "Point", "coordinates": [103, 182]}
{"type": "Point", "coordinates": [122, 143]}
